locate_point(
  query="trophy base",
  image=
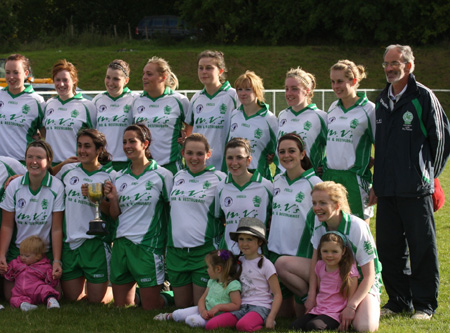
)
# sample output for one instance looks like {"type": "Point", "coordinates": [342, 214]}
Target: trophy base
{"type": "Point", "coordinates": [97, 227]}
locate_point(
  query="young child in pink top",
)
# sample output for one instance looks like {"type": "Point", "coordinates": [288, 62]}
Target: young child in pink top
{"type": "Point", "coordinates": [33, 276]}
{"type": "Point", "coordinates": [337, 280]}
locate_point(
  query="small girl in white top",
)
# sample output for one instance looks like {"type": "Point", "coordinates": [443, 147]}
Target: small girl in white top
{"type": "Point", "coordinates": [261, 294]}
{"type": "Point", "coordinates": [223, 293]}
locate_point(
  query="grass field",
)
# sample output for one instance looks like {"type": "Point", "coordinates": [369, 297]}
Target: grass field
{"type": "Point", "coordinates": [271, 63]}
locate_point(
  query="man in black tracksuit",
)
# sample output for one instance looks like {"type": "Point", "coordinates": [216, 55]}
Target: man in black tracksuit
{"type": "Point", "coordinates": [412, 145]}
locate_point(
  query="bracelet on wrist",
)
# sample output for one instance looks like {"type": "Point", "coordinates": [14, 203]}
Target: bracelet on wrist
{"type": "Point", "coordinates": [351, 307]}
{"type": "Point", "coordinates": [57, 261]}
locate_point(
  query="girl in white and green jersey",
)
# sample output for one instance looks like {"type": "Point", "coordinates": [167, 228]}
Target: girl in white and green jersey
{"type": "Point", "coordinates": [351, 133]}
{"type": "Point", "coordinates": [193, 231]}
{"type": "Point", "coordinates": [114, 110]}
{"type": "Point", "coordinates": [254, 122]}
{"type": "Point", "coordinates": [163, 111]}
{"type": "Point", "coordinates": [85, 257]}
{"type": "Point", "coordinates": [66, 114]}
{"type": "Point", "coordinates": [139, 198]}
{"type": "Point", "coordinates": [21, 109]}
{"type": "Point", "coordinates": [210, 109]}
{"type": "Point", "coordinates": [332, 213]}
{"type": "Point", "coordinates": [242, 193]}
{"type": "Point", "coordinates": [290, 230]}
{"type": "Point", "coordinates": [303, 117]}
{"type": "Point", "coordinates": [33, 204]}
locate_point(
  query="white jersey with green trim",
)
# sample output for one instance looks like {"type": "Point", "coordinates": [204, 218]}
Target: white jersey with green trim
{"type": "Point", "coordinates": [164, 116]}
{"type": "Point", "coordinates": [361, 240]}
{"type": "Point", "coordinates": [79, 209]}
{"type": "Point", "coordinates": [113, 116]}
{"type": "Point", "coordinates": [192, 203]}
{"type": "Point", "coordinates": [63, 120]}
{"type": "Point", "coordinates": [310, 124]}
{"type": "Point", "coordinates": [260, 129]}
{"type": "Point", "coordinates": [290, 232]}
{"type": "Point", "coordinates": [210, 116]}
{"type": "Point", "coordinates": [9, 167]}
{"type": "Point", "coordinates": [351, 133]}
{"type": "Point", "coordinates": [20, 118]}
{"type": "Point", "coordinates": [33, 210]}
{"type": "Point", "coordinates": [143, 200]}
{"type": "Point", "coordinates": [233, 202]}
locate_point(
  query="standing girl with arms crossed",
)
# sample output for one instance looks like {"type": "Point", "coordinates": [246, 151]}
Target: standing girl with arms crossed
{"type": "Point", "coordinates": [291, 226]}
{"type": "Point", "coordinates": [337, 279]}
{"type": "Point", "coordinates": [254, 122]}
{"type": "Point", "coordinates": [302, 116]}
{"type": "Point", "coordinates": [332, 214]}
{"type": "Point", "coordinates": [139, 198]}
{"type": "Point", "coordinates": [193, 229]}
{"type": "Point", "coordinates": [351, 133]}
{"type": "Point", "coordinates": [114, 110]}
{"type": "Point", "coordinates": [241, 194]}
{"type": "Point", "coordinates": [223, 293]}
{"type": "Point", "coordinates": [66, 114]}
{"type": "Point", "coordinates": [21, 106]}
{"type": "Point", "coordinates": [261, 294]}
{"type": "Point", "coordinates": [85, 257]}
{"type": "Point", "coordinates": [163, 111]}
{"type": "Point", "coordinates": [34, 204]}
{"type": "Point", "coordinates": [210, 109]}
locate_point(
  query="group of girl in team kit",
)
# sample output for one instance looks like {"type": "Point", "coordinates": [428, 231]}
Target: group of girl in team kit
{"type": "Point", "coordinates": [237, 239]}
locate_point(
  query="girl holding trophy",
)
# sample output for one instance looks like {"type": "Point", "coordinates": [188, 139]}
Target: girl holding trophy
{"type": "Point", "coordinates": [86, 256]}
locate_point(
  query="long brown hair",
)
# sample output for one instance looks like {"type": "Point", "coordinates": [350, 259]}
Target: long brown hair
{"type": "Point", "coordinates": [347, 260]}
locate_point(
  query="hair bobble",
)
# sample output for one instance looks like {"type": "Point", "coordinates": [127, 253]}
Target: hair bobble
{"type": "Point", "coordinates": [224, 254]}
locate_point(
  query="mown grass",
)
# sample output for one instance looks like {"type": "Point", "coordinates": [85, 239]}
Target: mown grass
{"type": "Point", "coordinates": [270, 62]}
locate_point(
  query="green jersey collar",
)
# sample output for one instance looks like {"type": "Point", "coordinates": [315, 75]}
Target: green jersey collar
{"type": "Point", "coordinates": [46, 181]}
{"type": "Point", "coordinates": [344, 226]}
{"type": "Point", "coordinates": [151, 166]}
{"type": "Point", "coordinates": [207, 169]}
{"type": "Point", "coordinates": [360, 102]}
{"type": "Point", "coordinates": [125, 91]}
{"type": "Point", "coordinates": [28, 90]}
{"type": "Point", "coordinates": [256, 177]}
{"type": "Point", "coordinates": [76, 96]}
{"type": "Point", "coordinates": [224, 87]}
{"type": "Point", "coordinates": [261, 112]}
{"type": "Point", "coordinates": [311, 106]}
{"type": "Point", "coordinates": [167, 91]}
{"type": "Point", "coordinates": [105, 168]}
{"type": "Point", "coordinates": [306, 174]}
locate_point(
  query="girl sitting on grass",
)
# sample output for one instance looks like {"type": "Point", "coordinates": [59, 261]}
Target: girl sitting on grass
{"type": "Point", "coordinates": [337, 279]}
{"type": "Point", "coordinates": [261, 294]}
{"type": "Point", "coordinates": [221, 295]}
{"type": "Point", "coordinates": [33, 275]}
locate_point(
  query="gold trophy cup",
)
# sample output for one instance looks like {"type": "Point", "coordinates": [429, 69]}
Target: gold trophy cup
{"type": "Point", "coordinates": [97, 226]}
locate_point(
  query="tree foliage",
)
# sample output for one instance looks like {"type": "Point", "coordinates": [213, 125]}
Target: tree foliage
{"type": "Point", "coordinates": [238, 21]}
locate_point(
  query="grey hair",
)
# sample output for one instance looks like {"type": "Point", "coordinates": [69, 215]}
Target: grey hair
{"type": "Point", "coordinates": [405, 51]}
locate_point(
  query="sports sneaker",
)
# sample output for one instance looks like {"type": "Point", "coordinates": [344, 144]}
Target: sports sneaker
{"type": "Point", "coordinates": [386, 312]}
{"type": "Point", "coordinates": [52, 303]}
{"type": "Point", "coordinates": [24, 306]}
{"type": "Point", "coordinates": [420, 315]}
{"type": "Point", "coordinates": [162, 317]}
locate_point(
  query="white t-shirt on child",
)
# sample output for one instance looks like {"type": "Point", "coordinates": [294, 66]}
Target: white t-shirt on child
{"type": "Point", "coordinates": [254, 281]}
